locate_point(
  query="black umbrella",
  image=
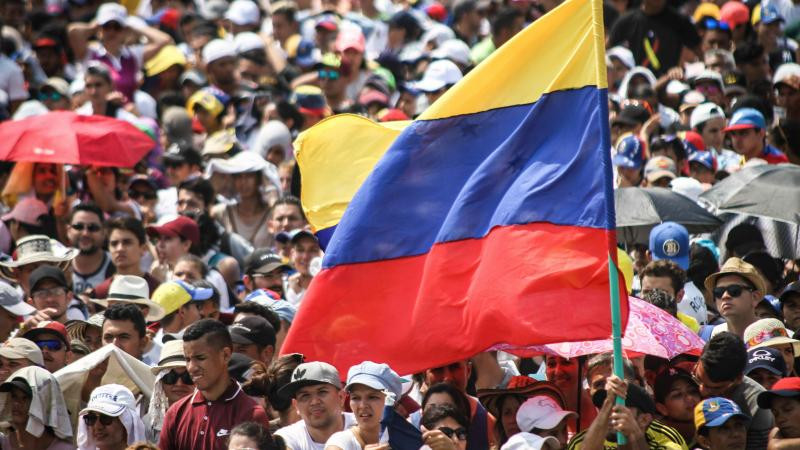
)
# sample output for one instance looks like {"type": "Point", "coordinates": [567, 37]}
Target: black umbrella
{"type": "Point", "coordinates": [641, 209]}
{"type": "Point", "coordinates": [770, 191]}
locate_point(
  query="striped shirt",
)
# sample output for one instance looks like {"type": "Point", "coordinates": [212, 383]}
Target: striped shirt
{"type": "Point", "coordinates": [657, 435]}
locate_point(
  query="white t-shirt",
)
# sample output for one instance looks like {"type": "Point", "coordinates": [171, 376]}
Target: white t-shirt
{"type": "Point", "coordinates": [296, 435]}
{"type": "Point", "coordinates": [345, 440]}
{"type": "Point", "coordinates": [12, 80]}
{"type": "Point", "coordinates": [693, 303]}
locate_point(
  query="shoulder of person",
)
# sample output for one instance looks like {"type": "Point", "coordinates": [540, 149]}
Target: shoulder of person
{"type": "Point", "coordinates": [664, 434]}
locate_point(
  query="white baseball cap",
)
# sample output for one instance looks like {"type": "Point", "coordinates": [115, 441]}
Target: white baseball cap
{"type": "Point", "coordinates": [11, 300]}
{"type": "Point", "coordinates": [453, 49]}
{"type": "Point", "coordinates": [438, 75]}
{"type": "Point", "coordinates": [541, 412]}
{"type": "Point", "coordinates": [623, 54]}
{"type": "Point", "coordinates": [111, 12]}
{"type": "Point", "coordinates": [705, 112]}
{"type": "Point", "coordinates": [787, 72]}
{"type": "Point", "coordinates": [218, 49]}
{"type": "Point", "coordinates": [111, 400]}
{"type": "Point", "coordinates": [711, 75]}
{"type": "Point", "coordinates": [529, 441]}
{"type": "Point", "coordinates": [247, 41]}
{"type": "Point", "coordinates": [21, 348]}
{"type": "Point", "coordinates": [243, 12]}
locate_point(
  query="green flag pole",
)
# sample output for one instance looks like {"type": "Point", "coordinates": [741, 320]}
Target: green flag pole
{"type": "Point", "coordinates": [616, 332]}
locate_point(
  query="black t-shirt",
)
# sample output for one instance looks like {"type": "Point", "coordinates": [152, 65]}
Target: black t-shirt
{"type": "Point", "coordinates": [665, 34]}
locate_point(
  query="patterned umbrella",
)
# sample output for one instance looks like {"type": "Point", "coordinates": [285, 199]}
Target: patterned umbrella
{"type": "Point", "coordinates": [650, 330]}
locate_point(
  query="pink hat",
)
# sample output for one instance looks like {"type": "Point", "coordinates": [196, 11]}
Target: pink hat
{"type": "Point", "coordinates": [734, 13]}
{"type": "Point", "coordinates": [350, 37]}
{"type": "Point", "coordinates": [28, 211]}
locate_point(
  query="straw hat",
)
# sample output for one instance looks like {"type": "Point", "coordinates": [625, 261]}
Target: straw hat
{"type": "Point", "coordinates": [132, 289]}
{"type": "Point", "coordinates": [171, 356]}
{"type": "Point", "coordinates": [737, 266]}
{"type": "Point", "coordinates": [37, 248]}
{"type": "Point", "coordinates": [769, 333]}
{"type": "Point", "coordinates": [522, 386]}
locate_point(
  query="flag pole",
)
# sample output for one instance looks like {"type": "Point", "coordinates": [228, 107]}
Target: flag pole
{"type": "Point", "coordinates": [616, 332]}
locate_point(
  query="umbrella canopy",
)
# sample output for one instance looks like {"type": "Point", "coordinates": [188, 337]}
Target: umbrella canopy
{"type": "Point", "coordinates": [641, 209]}
{"type": "Point", "coordinates": [770, 191]}
{"type": "Point", "coordinates": [650, 330]}
{"type": "Point", "coordinates": [64, 137]}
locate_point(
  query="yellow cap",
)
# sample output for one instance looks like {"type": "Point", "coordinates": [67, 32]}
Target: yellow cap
{"type": "Point", "coordinates": [166, 58]}
{"type": "Point", "coordinates": [625, 265]}
{"type": "Point", "coordinates": [205, 100]}
{"type": "Point", "coordinates": [706, 10]}
{"type": "Point", "coordinates": [171, 296]}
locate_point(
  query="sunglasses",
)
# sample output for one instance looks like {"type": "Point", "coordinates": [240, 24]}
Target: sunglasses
{"type": "Point", "coordinates": [734, 290]}
{"type": "Point", "coordinates": [328, 75]}
{"type": "Point", "coordinates": [92, 227]}
{"type": "Point", "coordinates": [172, 377]}
{"type": "Point", "coordinates": [713, 24]}
{"type": "Point", "coordinates": [91, 418]}
{"type": "Point", "coordinates": [52, 345]}
{"type": "Point", "coordinates": [459, 433]}
{"type": "Point", "coordinates": [148, 195]}
{"type": "Point", "coordinates": [55, 96]}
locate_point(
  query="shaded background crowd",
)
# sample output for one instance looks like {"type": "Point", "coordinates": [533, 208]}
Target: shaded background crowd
{"type": "Point", "coordinates": [146, 306]}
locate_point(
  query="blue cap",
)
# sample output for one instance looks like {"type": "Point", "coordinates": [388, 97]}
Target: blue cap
{"type": "Point", "coordinates": [705, 158]}
{"type": "Point", "coordinates": [377, 376]}
{"type": "Point", "coordinates": [774, 303]}
{"type": "Point", "coordinates": [198, 294]}
{"type": "Point", "coordinates": [746, 118]}
{"type": "Point", "coordinates": [715, 411]}
{"type": "Point", "coordinates": [670, 241]}
{"type": "Point", "coordinates": [285, 310]}
{"type": "Point", "coordinates": [770, 14]}
{"type": "Point", "coordinates": [765, 358]}
{"type": "Point", "coordinates": [629, 153]}
{"type": "Point", "coordinates": [305, 54]}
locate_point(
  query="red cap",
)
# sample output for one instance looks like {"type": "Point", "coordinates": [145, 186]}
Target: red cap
{"type": "Point", "coordinates": [49, 326]}
{"type": "Point", "coordinates": [787, 384]}
{"type": "Point", "coordinates": [436, 11]}
{"type": "Point", "coordinates": [734, 13]}
{"type": "Point", "coordinates": [392, 115]}
{"type": "Point", "coordinates": [170, 18]}
{"type": "Point", "coordinates": [695, 139]}
{"type": "Point", "coordinates": [45, 42]}
{"type": "Point", "coordinates": [181, 227]}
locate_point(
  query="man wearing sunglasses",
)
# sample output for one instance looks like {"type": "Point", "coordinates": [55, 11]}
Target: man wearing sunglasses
{"type": "Point", "coordinates": [86, 233]}
{"type": "Point", "coordinates": [737, 289]}
{"type": "Point", "coordinates": [720, 373]}
{"type": "Point", "coordinates": [51, 338]}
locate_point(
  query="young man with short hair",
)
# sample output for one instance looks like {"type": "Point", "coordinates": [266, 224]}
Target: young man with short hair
{"type": "Point", "coordinates": [720, 373]}
{"type": "Point", "coordinates": [253, 337]}
{"type": "Point", "coordinates": [316, 393]}
{"type": "Point", "coordinates": [676, 395]}
{"type": "Point", "coordinates": [721, 425]}
{"type": "Point", "coordinates": [127, 243]}
{"type": "Point", "coordinates": [124, 327]}
{"type": "Point", "coordinates": [206, 418]}
{"type": "Point", "coordinates": [264, 269]}
{"type": "Point", "coordinates": [52, 339]}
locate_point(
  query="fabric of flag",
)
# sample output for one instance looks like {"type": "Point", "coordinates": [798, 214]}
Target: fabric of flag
{"type": "Point", "coordinates": [488, 220]}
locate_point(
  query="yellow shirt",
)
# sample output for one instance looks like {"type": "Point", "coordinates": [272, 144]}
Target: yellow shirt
{"type": "Point", "coordinates": [657, 435]}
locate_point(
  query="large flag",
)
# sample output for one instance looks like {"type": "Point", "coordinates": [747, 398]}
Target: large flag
{"type": "Point", "coordinates": [488, 220]}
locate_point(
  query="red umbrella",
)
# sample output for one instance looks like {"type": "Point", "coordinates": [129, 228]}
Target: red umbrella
{"type": "Point", "coordinates": [64, 137]}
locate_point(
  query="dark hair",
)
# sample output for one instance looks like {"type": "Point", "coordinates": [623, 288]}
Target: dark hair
{"type": "Point", "coordinates": [87, 207]}
{"type": "Point", "coordinates": [462, 404]}
{"type": "Point", "coordinates": [743, 239]}
{"type": "Point", "coordinates": [258, 433]}
{"type": "Point", "coordinates": [701, 264]}
{"type": "Point", "coordinates": [666, 142]}
{"type": "Point", "coordinates": [215, 332]}
{"type": "Point", "coordinates": [288, 11]}
{"type": "Point", "coordinates": [130, 224]}
{"type": "Point", "coordinates": [129, 312]}
{"type": "Point", "coordinates": [98, 69]}
{"type": "Point", "coordinates": [194, 259]}
{"type": "Point", "coordinates": [747, 52]}
{"type": "Point", "coordinates": [289, 200]}
{"type": "Point", "coordinates": [201, 187]}
{"type": "Point", "coordinates": [437, 413]}
{"type": "Point", "coordinates": [724, 357]}
{"type": "Point", "coordinates": [279, 374]}
{"type": "Point", "coordinates": [666, 268]}
{"type": "Point", "coordinates": [463, 7]}
{"type": "Point", "coordinates": [505, 19]}
{"type": "Point", "coordinates": [260, 311]}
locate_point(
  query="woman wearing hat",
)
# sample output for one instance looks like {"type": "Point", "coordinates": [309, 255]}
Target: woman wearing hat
{"type": "Point", "coordinates": [110, 420]}
{"type": "Point", "coordinates": [32, 404]}
{"type": "Point", "coordinates": [773, 333]}
{"type": "Point", "coordinates": [368, 384]}
{"type": "Point", "coordinates": [172, 384]}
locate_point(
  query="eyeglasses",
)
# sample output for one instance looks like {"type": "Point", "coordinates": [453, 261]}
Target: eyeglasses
{"type": "Point", "coordinates": [734, 290]}
{"type": "Point", "coordinates": [92, 227]}
{"type": "Point", "coordinates": [459, 433]}
{"type": "Point", "coordinates": [172, 377]}
{"type": "Point", "coordinates": [328, 75]}
{"type": "Point", "coordinates": [708, 390]}
{"type": "Point", "coordinates": [148, 195]}
{"type": "Point", "coordinates": [52, 345]}
{"type": "Point", "coordinates": [91, 418]}
{"type": "Point", "coordinates": [47, 293]}
{"type": "Point", "coordinates": [55, 96]}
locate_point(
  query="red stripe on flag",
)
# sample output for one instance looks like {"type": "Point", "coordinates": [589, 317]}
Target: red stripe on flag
{"type": "Point", "coordinates": [524, 284]}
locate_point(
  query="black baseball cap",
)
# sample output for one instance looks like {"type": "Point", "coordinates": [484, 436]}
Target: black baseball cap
{"type": "Point", "coordinates": [263, 260]}
{"type": "Point", "coordinates": [633, 114]}
{"type": "Point", "coordinates": [252, 330]}
{"type": "Point", "coordinates": [636, 398]}
{"type": "Point", "coordinates": [793, 288]}
{"type": "Point", "coordinates": [47, 273]}
{"type": "Point", "coordinates": [765, 358]}
{"type": "Point", "coordinates": [179, 154]}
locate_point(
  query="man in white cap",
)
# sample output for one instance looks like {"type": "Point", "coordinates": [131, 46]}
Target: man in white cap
{"type": "Point", "coordinates": [243, 16]}
{"type": "Point", "coordinates": [219, 57]}
{"type": "Point", "coordinates": [13, 308]}
{"type": "Point", "coordinates": [440, 76]}
{"type": "Point", "coordinates": [110, 419]}
{"type": "Point", "coordinates": [17, 353]}
{"type": "Point", "coordinates": [544, 417]}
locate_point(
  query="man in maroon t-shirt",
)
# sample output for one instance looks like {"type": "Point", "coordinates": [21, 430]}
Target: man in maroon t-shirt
{"type": "Point", "coordinates": [204, 419]}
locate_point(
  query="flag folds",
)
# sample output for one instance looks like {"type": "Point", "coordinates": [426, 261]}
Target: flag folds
{"type": "Point", "coordinates": [488, 220]}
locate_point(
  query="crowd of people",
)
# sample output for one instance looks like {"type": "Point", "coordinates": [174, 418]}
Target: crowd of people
{"type": "Point", "coordinates": [146, 307]}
